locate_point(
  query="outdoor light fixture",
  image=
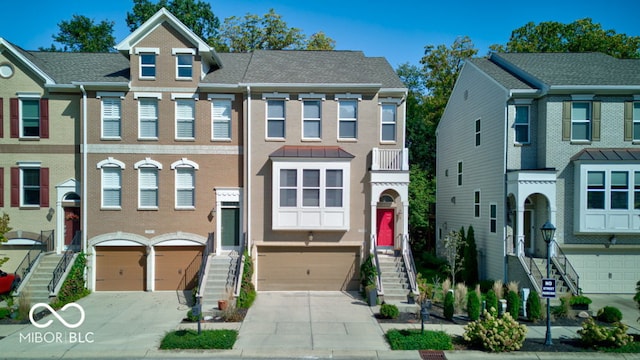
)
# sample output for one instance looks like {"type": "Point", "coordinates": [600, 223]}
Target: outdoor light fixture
{"type": "Point", "coordinates": [548, 230]}
{"type": "Point", "coordinates": [310, 236]}
{"type": "Point", "coordinates": [613, 240]}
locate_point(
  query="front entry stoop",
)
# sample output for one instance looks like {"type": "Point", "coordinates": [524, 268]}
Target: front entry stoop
{"type": "Point", "coordinates": [395, 282]}
{"type": "Point", "coordinates": [219, 281]}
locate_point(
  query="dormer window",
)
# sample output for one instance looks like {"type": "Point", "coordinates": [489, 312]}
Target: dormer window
{"type": "Point", "coordinates": [184, 63]}
{"type": "Point", "coordinates": [147, 62]}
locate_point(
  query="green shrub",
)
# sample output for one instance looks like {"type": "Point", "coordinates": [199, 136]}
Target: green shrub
{"type": "Point", "coordinates": [449, 305]}
{"type": "Point", "coordinates": [208, 339]}
{"type": "Point", "coordinates": [534, 309]}
{"type": "Point", "coordinates": [562, 310]}
{"type": "Point", "coordinates": [486, 285]}
{"type": "Point", "coordinates": [495, 334]}
{"type": "Point", "coordinates": [368, 272]}
{"type": "Point", "coordinates": [73, 288]}
{"type": "Point", "coordinates": [596, 336]}
{"type": "Point", "coordinates": [513, 304]}
{"type": "Point", "coordinates": [247, 291]}
{"type": "Point", "coordinates": [491, 300]}
{"type": "Point", "coordinates": [609, 314]}
{"type": "Point", "coordinates": [5, 313]}
{"type": "Point", "coordinates": [389, 311]}
{"type": "Point", "coordinates": [413, 339]}
{"type": "Point", "coordinates": [193, 318]}
{"type": "Point", "coordinates": [473, 306]}
{"type": "Point", "coordinates": [579, 300]}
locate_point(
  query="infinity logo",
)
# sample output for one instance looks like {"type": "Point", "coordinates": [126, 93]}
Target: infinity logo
{"type": "Point", "coordinates": [54, 313]}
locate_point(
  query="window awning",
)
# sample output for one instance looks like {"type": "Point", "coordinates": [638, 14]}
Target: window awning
{"type": "Point", "coordinates": [320, 152]}
{"type": "Point", "coordinates": [607, 154]}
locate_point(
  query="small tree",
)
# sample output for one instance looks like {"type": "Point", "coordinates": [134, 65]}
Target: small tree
{"type": "Point", "coordinates": [452, 244]}
{"type": "Point", "coordinates": [534, 311]}
{"type": "Point", "coordinates": [470, 259]}
{"type": "Point", "coordinates": [4, 228]}
{"type": "Point", "coordinates": [473, 306]}
{"type": "Point", "coordinates": [449, 306]}
{"type": "Point", "coordinates": [513, 304]}
{"type": "Point", "coordinates": [491, 301]}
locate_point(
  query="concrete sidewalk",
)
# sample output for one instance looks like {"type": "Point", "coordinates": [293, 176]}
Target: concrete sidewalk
{"type": "Point", "coordinates": [322, 325]}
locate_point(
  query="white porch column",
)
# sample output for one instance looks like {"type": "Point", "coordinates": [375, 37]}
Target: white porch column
{"type": "Point", "coordinates": [372, 226]}
{"type": "Point", "coordinates": [520, 230]}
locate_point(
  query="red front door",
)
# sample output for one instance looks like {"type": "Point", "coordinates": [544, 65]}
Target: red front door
{"type": "Point", "coordinates": [71, 223]}
{"type": "Point", "coordinates": [385, 227]}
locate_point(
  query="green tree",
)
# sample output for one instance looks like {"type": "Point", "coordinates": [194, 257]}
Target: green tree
{"type": "Point", "coordinates": [452, 244]}
{"type": "Point", "coordinates": [470, 259]}
{"type": "Point", "coordinates": [195, 14]}
{"type": "Point", "coordinates": [421, 195]}
{"type": "Point", "coordinates": [252, 32]}
{"type": "Point", "coordinates": [81, 34]}
{"type": "Point", "coordinates": [579, 36]}
{"type": "Point", "coordinates": [4, 228]}
{"type": "Point", "coordinates": [320, 41]}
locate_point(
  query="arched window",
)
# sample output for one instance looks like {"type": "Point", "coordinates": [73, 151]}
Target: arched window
{"type": "Point", "coordinates": [185, 183]}
{"type": "Point", "coordinates": [147, 183]}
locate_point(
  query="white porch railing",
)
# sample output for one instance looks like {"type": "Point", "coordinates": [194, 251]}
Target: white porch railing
{"type": "Point", "coordinates": [390, 159]}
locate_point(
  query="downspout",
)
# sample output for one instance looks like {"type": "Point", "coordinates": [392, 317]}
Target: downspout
{"type": "Point", "coordinates": [84, 168]}
{"type": "Point", "coordinates": [247, 156]}
{"type": "Point", "coordinates": [505, 216]}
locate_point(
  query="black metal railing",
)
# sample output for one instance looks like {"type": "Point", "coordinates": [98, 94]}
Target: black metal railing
{"type": "Point", "coordinates": [208, 249]}
{"type": "Point", "coordinates": [61, 268]}
{"type": "Point", "coordinates": [44, 243]}
{"type": "Point", "coordinates": [535, 274]}
{"type": "Point", "coordinates": [376, 261]}
{"type": "Point", "coordinates": [409, 263]}
{"type": "Point", "coordinates": [239, 269]}
{"type": "Point", "coordinates": [567, 271]}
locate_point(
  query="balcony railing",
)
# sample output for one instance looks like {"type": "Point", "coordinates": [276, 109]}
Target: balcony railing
{"type": "Point", "coordinates": [390, 160]}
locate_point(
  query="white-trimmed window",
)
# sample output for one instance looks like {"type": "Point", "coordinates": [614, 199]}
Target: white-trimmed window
{"type": "Point", "coordinates": [310, 195]}
{"type": "Point", "coordinates": [607, 197]}
{"type": "Point", "coordinates": [493, 221]}
{"type": "Point", "coordinates": [459, 173]}
{"type": "Point", "coordinates": [30, 185]}
{"type": "Point", "coordinates": [636, 120]}
{"type": "Point", "coordinates": [476, 203]}
{"type": "Point", "coordinates": [388, 122]}
{"type": "Point", "coordinates": [185, 179]}
{"type": "Point", "coordinates": [521, 124]}
{"type": "Point", "coordinates": [478, 132]}
{"type": "Point", "coordinates": [184, 63]}
{"type": "Point", "coordinates": [111, 117]}
{"type": "Point", "coordinates": [111, 174]}
{"type": "Point", "coordinates": [311, 119]}
{"type": "Point", "coordinates": [185, 119]}
{"type": "Point", "coordinates": [147, 65]}
{"type": "Point", "coordinates": [221, 119]}
{"type": "Point", "coordinates": [276, 115]}
{"type": "Point", "coordinates": [348, 119]}
{"type": "Point", "coordinates": [29, 117]}
{"type": "Point", "coordinates": [148, 183]}
{"type": "Point", "coordinates": [581, 120]}
{"type": "Point", "coordinates": [148, 118]}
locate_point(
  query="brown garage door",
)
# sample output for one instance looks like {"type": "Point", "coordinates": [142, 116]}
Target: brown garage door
{"type": "Point", "coordinates": [121, 268]}
{"type": "Point", "coordinates": [295, 268]}
{"type": "Point", "coordinates": [177, 267]}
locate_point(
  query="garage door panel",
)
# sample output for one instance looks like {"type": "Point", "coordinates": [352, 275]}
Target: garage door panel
{"type": "Point", "coordinates": [177, 267]}
{"type": "Point", "coordinates": [291, 269]}
{"type": "Point", "coordinates": [121, 268]}
{"type": "Point", "coordinates": [607, 273]}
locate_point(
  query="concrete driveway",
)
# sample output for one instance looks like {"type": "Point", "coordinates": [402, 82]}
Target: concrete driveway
{"type": "Point", "coordinates": [125, 325]}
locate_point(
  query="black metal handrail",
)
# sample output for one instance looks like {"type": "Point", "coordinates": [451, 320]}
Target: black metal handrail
{"type": "Point", "coordinates": [239, 270]}
{"type": "Point", "coordinates": [374, 246]}
{"type": "Point", "coordinates": [44, 243]}
{"type": "Point", "coordinates": [208, 249]}
{"type": "Point", "coordinates": [535, 273]}
{"type": "Point", "coordinates": [409, 263]}
{"type": "Point", "coordinates": [567, 271]}
{"type": "Point", "coordinates": [61, 268]}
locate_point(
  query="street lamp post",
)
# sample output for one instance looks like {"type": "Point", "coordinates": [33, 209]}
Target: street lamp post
{"type": "Point", "coordinates": [548, 230]}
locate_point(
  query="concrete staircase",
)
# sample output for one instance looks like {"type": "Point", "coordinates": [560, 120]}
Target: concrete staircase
{"type": "Point", "coordinates": [561, 286]}
{"type": "Point", "coordinates": [395, 282]}
{"type": "Point", "coordinates": [37, 285]}
{"type": "Point", "coordinates": [218, 279]}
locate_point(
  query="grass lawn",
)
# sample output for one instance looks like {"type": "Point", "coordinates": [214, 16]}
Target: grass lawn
{"type": "Point", "coordinates": [208, 339]}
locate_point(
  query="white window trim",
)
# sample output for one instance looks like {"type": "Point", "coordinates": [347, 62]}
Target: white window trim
{"type": "Point", "coordinates": [110, 163]}
{"type": "Point", "coordinates": [176, 53]}
{"type": "Point", "coordinates": [394, 123]}
{"type": "Point", "coordinates": [143, 51]}
{"type": "Point", "coordinates": [312, 96]}
{"type": "Point", "coordinates": [347, 97]}
{"type": "Point", "coordinates": [101, 94]}
{"type": "Point", "coordinates": [275, 96]}
{"type": "Point", "coordinates": [139, 50]}
{"type": "Point", "coordinates": [310, 218]}
{"type": "Point", "coordinates": [155, 95]}
{"type": "Point", "coordinates": [284, 119]}
{"type": "Point", "coordinates": [148, 164]}
{"type": "Point", "coordinates": [607, 220]}
{"type": "Point", "coordinates": [184, 164]}
{"type": "Point", "coordinates": [634, 121]}
{"type": "Point", "coordinates": [528, 124]}
{"type": "Point", "coordinates": [231, 97]}
{"type": "Point", "coordinates": [193, 119]}
{"type": "Point", "coordinates": [311, 119]}
{"type": "Point", "coordinates": [22, 96]}
{"type": "Point", "coordinates": [589, 121]}
{"type": "Point", "coordinates": [102, 118]}
{"type": "Point", "coordinates": [140, 118]}
{"type": "Point", "coordinates": [28, 165]}
{"type": "Point", "coordinates": [213, 120]}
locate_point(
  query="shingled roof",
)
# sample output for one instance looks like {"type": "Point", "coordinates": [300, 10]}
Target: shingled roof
{"type": "Point", "coordinates": [564, 69]}
{"type": "Point", "coordinates": [595, 154]}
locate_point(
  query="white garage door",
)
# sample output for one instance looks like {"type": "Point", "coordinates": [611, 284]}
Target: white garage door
{"type": "Point", "coordinates": [614, 274]}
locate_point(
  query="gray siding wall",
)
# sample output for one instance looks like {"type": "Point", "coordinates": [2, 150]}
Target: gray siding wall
{"type": "Point", "coordinates": [475, 97]}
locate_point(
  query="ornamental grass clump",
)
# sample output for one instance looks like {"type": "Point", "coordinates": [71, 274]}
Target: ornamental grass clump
{"type": "Point", "coordinates": [596, 336]}
{"type": "Point", "coordinates": [495, 334]}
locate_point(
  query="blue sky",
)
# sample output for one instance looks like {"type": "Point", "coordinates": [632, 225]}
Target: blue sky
{"type": "Point", "coordinates": [396, 30]}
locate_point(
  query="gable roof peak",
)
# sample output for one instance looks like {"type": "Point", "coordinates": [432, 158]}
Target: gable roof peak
{"type": "Point", "coordinates": [161, 16]}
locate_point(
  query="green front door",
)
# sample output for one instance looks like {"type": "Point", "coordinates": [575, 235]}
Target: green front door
{"type": "Point", "coordinates": [230, 228]}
